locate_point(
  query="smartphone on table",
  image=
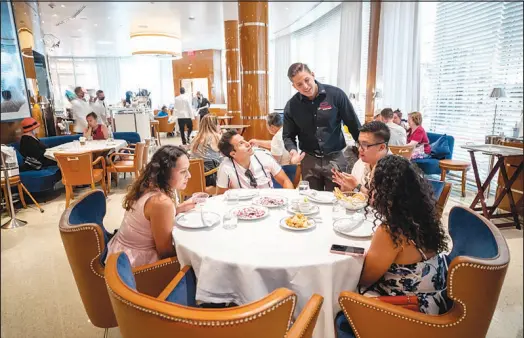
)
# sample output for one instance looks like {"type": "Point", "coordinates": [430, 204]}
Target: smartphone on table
{"type": "Point", "coordinates": [347, 250]}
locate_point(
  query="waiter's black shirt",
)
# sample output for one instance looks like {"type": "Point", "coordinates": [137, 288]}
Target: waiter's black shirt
{"type": "Point", "coordinates": [318, 123]}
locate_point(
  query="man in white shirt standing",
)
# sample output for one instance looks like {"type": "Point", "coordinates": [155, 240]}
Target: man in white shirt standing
{"type": "Point", "coordinates": [398, 133]}
{"type": "Point", "coordinates": [243, 169]}
{"type": "Point", "coordinates": [100, 108]}
{"type": "Point", "coordinates": [275, 121]}
{"type": "Point", "coordinates": [184, 114]}
{"type": "Point", "coordinates": [80, 108]}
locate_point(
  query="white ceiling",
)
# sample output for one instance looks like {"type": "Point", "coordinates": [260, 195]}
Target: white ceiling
{"type": "Point", "coordinates": [103, 28]}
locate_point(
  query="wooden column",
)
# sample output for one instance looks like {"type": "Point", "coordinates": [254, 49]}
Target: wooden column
{"type": "Point", "coordinates": [374, 28]}
{"type": "Point", "coordinates": [233, 71]}
{"type": "Point", "coordinates": [253, 31]}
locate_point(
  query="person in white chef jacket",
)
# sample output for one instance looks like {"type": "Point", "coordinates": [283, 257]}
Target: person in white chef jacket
{"type": "Point", "coordinates": [80, 108]}
{"type": "Point", "coordinates": [101, 109]}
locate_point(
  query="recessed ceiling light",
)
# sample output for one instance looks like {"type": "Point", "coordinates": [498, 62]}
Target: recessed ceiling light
{"type": "Point", "coordinates": [191, 18]}
{"type": "Point", "coordinates": [43, 21]}
{"type": "Point", "coordinates": [287, 8]}
{"type": "Point", "coordinates": [79, 30]}
{"type": "Point", "coordinates": [108, 18]}
{"type": "Point", "coordinates": [55, 15]}
{"type": "Point", "coordinates": [96, 25]}
{"type": "Point", "coordinates": [63, 6]}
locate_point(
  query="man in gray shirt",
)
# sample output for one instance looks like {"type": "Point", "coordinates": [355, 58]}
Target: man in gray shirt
{"type": "Point", "coordinates": [398, 133]}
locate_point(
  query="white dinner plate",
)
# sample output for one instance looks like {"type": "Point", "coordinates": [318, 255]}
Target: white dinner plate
{"type": "Point", "coordinates": [356, 225]}
{"type": "Point", "coordinates": [323, 197]}
{"type": "Point", "coordinates": [283, 224]}
{"type": "Point", "coordinates": [263, 201]}
{"type": "Point", "coordinates": [193, 220]}
{"type": "Point", "coordinates": [314, 209]}
{"type": "Point", "coordinates": [263, 212]}
{"type": "Point", "coordinates": [245, 194]}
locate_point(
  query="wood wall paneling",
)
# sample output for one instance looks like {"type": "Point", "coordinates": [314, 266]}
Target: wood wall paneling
{"type": "Point", "coordinates": [233, 71]}
{"type": "Point", "coordinates": [374, 29]}
{"type": "Point", "coordinates": [253, 34]}
{"type": "Point", "coordinates": [200, 65]}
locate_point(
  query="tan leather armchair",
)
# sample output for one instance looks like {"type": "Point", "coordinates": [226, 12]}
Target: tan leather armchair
{"type": "Point", "coordinates": [404, 151]}
{"type": "Point", "coordinates": [479, 261]}
{"type": "Point", "coordinates": [164, 126]}
{"type": "Point", "coordinates": [140, 315]}
{"type": "Point", "coordinates": [197, 182]}
{"type": "Point", "coordinates": [85, 243]}
{"type": "Point", "coordinates": [131, 162]}
{"type": "Point", "coordinates": [79, 169]}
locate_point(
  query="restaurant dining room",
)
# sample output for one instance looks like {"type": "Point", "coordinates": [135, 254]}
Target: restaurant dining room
{"type": "Point", "coordinates": [259, 169]}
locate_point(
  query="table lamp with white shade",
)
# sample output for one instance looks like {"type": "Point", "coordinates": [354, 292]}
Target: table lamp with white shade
{"type": "Point", "coordinates": [496, 93]}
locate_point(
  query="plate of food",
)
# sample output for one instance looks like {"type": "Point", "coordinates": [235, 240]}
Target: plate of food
{"type": "Point", "coordinates": [302, 205]}
{"type": "Point", "coordinates": [356, 225]}
{"type": "Point", "coordinates": [298, 222]}
{"type": "Point", "coordinates": [270, 201]}
{"type": "Point", "coordinates": [196, 220]}
{"type": "Point", "coordinates": [322, 197]}
{"type": "Point", "coordinates": [351, 200]}
{"type": "Point", "coordinates": [250, 213]}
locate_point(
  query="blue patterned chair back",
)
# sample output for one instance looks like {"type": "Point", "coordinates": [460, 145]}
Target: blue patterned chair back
{"type": "Point", "coordinates": [290, 170]}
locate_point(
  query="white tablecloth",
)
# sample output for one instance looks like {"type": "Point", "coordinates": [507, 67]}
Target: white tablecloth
{"type": "Point", "coordinates": [93, 146]}
{"type": "Point", "coordinates": [245, 264]}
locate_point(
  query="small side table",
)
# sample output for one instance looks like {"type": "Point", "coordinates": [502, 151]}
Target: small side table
{"type": "Point", "coordinates": [453, 165]}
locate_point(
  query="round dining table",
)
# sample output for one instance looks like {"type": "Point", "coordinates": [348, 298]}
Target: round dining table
{"type": "Point", "coordinates": [94, 146]}
{"type": "Point", "coordinates": [245, 264]}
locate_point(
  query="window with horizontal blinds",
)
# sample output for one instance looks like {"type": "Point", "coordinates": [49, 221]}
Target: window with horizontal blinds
{"type": "Point", "coordinates": [475, 46]}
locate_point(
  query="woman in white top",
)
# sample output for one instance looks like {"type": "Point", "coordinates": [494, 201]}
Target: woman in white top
{"type": "Point", "coordinates": [275, 122]}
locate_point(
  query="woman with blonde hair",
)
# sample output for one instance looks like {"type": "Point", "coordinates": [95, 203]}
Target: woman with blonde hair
{"type": "Point", "coordinates": [205, 146]}
{"type": "Point", "coordinates": [150, 204]}
{"type": "Point", "coordinates": [417, 136]}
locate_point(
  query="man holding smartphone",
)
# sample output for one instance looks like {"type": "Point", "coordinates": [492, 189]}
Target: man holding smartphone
{"type": "Point", "coordinates": [372, 147]}
{"type": "Point", "coordinates": [315, 114]}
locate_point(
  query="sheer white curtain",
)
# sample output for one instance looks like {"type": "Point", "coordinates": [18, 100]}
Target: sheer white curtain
{"type": "Point", "coordinates": [108, 71]}
{"type": "Point", "coordinates": [167, 86]}
{"type": "Point", "coordinates": [350, 47]}
{"type": "Point", "coordinates": [398, 68]}
{"type": "Point", "coordinates": [282, 89]}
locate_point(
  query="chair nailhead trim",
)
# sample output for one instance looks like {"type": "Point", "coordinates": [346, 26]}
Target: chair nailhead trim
{"type": "Point", "coordinates": [309, 322]}
{"type": "Point", "coordinates": [72, 229]}
{"type": "Point", "coordinates": [468, 265]}
{"type": "Point", "coordinates": [204, 323]}
{"type": "Point", "coordinates": [175, 260]}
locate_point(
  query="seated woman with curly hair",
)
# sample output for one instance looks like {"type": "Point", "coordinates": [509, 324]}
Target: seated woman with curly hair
{"type": "Point", "coordinates": [405, 253]}
{"type": "Point", "coordinates": [150, 203]}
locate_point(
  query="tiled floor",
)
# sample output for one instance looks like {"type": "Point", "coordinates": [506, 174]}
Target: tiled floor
{"type": "Point", "coordinates": [40, 298]}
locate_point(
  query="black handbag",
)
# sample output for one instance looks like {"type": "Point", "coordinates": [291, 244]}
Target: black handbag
{"type": "Point", "coordinates": [32, 163]}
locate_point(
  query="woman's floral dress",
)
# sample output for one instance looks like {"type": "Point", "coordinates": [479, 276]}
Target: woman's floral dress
{"type": "Point", "coordinates": [426, 280]}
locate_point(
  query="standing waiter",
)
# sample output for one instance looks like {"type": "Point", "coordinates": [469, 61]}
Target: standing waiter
{"type": "Point", "coordinates": [315, 115]}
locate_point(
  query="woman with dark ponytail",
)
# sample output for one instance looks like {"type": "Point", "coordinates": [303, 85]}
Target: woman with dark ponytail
{"type": "Point", "coordinates": [150, 204]}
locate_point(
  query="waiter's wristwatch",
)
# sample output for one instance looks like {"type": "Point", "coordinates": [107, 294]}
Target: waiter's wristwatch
{"type": "Point", "coordinates": [358, 187]}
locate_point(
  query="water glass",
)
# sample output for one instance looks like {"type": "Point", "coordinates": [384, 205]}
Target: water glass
{"type": "Point", "coordinates": [231, 197]}
{"type": "Point", "coordinates": [230, 220]}
{"type": "Point", "coordinates": [303, 186]}
{"type": "Point", "coordinates": [338, 211]}
{"type": "Point", "coordinates": [199, 198]}
{"type": "Point", "coordinates": [76, 144]}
